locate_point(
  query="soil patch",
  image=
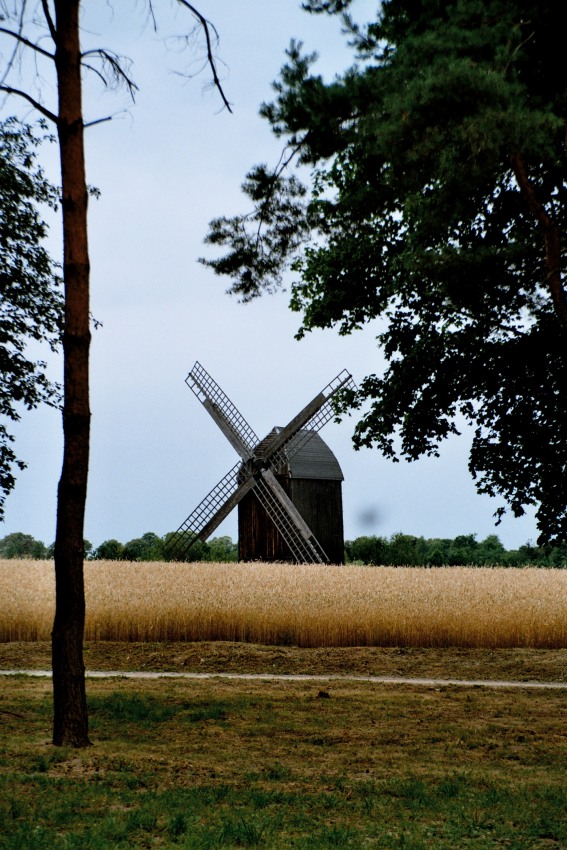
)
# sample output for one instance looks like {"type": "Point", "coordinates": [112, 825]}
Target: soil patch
{"type": "Point", "coordinates": [545, 665]}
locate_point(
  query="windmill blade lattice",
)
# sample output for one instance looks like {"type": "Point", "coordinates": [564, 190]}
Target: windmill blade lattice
{"type": "Point", "coordinates": [223, 411]}
{"type": "Point", "coordinates": [311, 419]}
{"type": "Point", "coordinates": [209, 513]}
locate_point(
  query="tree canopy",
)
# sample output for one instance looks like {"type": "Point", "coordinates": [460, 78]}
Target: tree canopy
{"type": "Point", "coordinates": [20, 545]}
{"type": "Point", "coordinates": [31, 304]}
{"type": "Point", "coordinates": [437, 202]}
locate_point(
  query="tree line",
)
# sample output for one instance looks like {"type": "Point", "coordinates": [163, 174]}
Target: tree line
{"type": "Point", "coordinates": [148, 547]}
{"type": "Point", "coordinates": [463, 550]}
{"type": "Point", "coordinates": [397, 550]}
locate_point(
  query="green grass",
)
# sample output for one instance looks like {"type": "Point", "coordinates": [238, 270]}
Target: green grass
{"type": "Point", "coordinates": [223, 764]}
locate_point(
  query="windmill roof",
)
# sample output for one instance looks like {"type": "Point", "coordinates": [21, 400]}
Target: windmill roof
{"type": "Point", "coordinates": [313, 460]}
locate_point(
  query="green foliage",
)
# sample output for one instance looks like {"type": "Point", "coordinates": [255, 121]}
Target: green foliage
{"type": "Point", "coordinates": [367, 550]}
{"type": "Point", "coordinates": [31, 305]}
{"type": "Point", "coordinates": [151, 547]}
{"type": "Point", "coordinates": [222, 549]}
{"type": "Point", "coordinates": [398, 550]}
{"type": "Point", "coordinates": [197, 551]}
{"type": "Point", "coordinates": [19, 545]}
{"type": "Point", "coordinates": [109, 550]}
{"type": "Point", "coordinates": [437, 203]}
{"type": "Point", "coordinates": [463, 550]}
{"type": "Point", "coordinates": [148, 547]}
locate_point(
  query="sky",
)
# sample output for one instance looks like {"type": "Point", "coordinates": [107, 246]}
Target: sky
{"type": "Point", "coordinates": [165, 167]}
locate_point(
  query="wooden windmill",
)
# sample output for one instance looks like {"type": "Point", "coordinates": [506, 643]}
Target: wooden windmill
{"type": "Point", "coordinates": [287, 486]}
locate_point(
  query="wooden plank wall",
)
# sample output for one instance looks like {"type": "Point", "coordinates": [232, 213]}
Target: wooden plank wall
{"type": "Point", "coordinates": [320, 504]}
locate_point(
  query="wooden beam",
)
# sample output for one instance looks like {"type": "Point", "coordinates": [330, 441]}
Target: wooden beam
{"type": "Point", "coordinates": [226, 508]}
{"type": "Point", "coordinates": [228, 429]}
{"type": "Point", "coordinates": [295, 425]}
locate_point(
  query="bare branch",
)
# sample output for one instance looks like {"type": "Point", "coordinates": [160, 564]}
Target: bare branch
{"type": "Point", "coordinates": [12, 713]}
{"type": "Point", "coordinates": [22, 40]}
{"type": "Point", "coordinates": [518, 48]}
{"type": "Point", "coordinates": [35, 103]}
{"type": "Point", "coordinates": [152, 15]}
{"type": "Point", "coordinates": [115, 66]}
{"type": "Point", "coordinates": [10, 62]}
{"type": "Point", "coordinates": [49, 19]}
{"type": "Point", "coordinates": [207, 27]}
{"type": "Point", "coordinates": [101, 76]}
{"type": "Point", "coordinates": [98, 121]}
{"type": "Point", "coordinates": [284, 161]}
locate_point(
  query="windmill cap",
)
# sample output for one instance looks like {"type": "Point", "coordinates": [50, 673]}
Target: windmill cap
{"type": "Point", "coordinates": [314, 460]}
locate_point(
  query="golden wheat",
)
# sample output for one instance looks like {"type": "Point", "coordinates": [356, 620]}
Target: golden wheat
{"type": "Point", "coordinates": [303, 605]}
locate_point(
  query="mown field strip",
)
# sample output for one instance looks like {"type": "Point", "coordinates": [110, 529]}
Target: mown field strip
{"type": "Point", "coordinates": [300, 677]}
{"type": "Point", "coordinates": [180, 763]}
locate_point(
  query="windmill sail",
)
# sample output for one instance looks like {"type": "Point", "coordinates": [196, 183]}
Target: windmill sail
{"type": "Point", "coordinates": [256, 473]}
{"type": "Point", "coordinates": [227, 416]}
{"type": "Point", "coordinates": [308, 421]}
{"type": "Point", "coordinates": [209, 513]}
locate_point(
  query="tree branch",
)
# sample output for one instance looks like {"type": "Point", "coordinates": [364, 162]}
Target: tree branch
{"type": "Point", "coordinates": [98, 121]}
{"type": "Point", "coordinates": [152, 15]}
{"type": "Point", "coordinates": [95, 71]}
{"type": "Point", "coordinates": [49, 19]}
{"type": "Point", "coordinates": [281, 166]}
{"type": "Point", "coordinates": [40, 108]}
{"type": "Point", "coordinates": [9, 62]}
{"type": "Point", "coordinates": [22, 40]}
{"type": "Point", "coordinates": [207, 26]}
{"type": "Point", "coordinates": [12, 713]}
{"type": "Point", "coordinates": [115, 66]}
{"type": "Point", "coordinates": [551, 233]}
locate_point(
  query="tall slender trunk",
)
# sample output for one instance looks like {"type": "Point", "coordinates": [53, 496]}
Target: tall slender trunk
{"type": "Point", "coordinates": [70, 725]}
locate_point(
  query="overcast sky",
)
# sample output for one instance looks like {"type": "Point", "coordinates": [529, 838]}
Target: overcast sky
{"type": "Point", "coordinates": [165, 167]}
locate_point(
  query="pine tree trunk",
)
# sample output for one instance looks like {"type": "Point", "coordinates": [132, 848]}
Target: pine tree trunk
{"type": "Point", "coordinates": [70, 725]}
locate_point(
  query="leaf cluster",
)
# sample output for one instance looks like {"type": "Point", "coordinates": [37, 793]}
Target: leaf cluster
{"type": "Point", "coordinates": [31, 301]}
{"type": "Point", "coordinates": [259, 241]}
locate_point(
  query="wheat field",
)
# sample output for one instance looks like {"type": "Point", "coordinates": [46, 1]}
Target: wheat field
{"type": "Point", "coordinates": [302, 605]}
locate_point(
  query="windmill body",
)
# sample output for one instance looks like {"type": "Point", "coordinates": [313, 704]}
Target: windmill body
{"type": "Point", "coordinates": [291, 474]}
{"type": "Point", "coordinates": [312, 479]}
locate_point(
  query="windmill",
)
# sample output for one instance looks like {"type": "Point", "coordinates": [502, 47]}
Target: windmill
{"type": "Point", "coordinates": [256, 470]}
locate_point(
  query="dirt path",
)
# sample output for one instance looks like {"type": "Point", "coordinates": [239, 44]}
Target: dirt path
{"type": "Point", "coordinates": [290, 677]}
{"type": "Point", "coordinates": [387, 664]}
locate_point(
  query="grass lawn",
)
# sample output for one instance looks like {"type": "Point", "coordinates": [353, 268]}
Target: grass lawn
{"type": "Point", "coordinates": [221, 764]}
